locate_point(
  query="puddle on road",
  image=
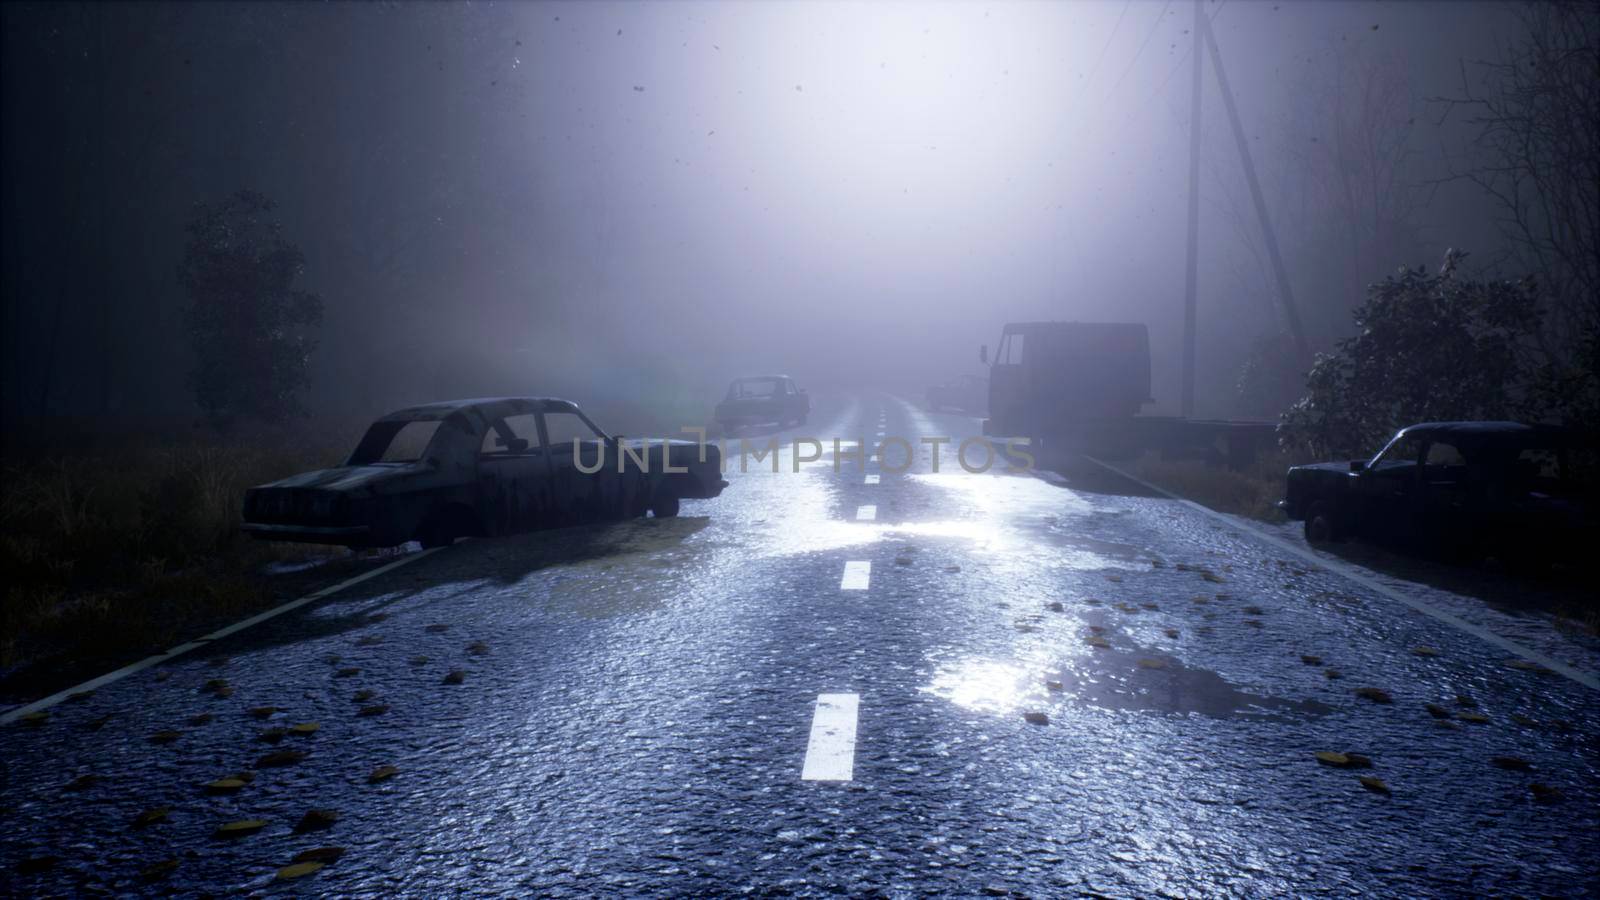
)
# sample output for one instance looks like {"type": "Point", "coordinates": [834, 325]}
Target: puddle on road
{"type": "Point", "coordinates": [1114, 679]}
{"type": "Point", "coordinates": [1109, 679]}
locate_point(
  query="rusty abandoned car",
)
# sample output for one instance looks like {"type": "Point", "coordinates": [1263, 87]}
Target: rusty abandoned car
{"type": "Point", "coordinates": [444, 471]}
{"type": "Point", "coordinates": [1523, 493]}
{"type": "Point", "coordinates": [763, 400]}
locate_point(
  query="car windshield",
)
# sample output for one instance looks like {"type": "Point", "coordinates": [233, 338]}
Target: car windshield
{"type": "Point", "coordinates": [394, 442]}
{"type": "Point", "coordinates": [761, 387]}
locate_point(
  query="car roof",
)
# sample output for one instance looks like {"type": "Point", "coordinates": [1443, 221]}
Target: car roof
{"type": "Point", "coordinates": [488, 407]}
{"type": "Point", "coordinates": [1486, 430]}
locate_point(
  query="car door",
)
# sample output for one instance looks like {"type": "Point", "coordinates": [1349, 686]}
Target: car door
{"type": "Point", "coordinates": [515, 487]}
{"type": "Point", "coordinates": [1445, 511]}
{"type": "Point", "coordinates": [573, 446]}
{"type": "Point", "coordinates": [1007, 390]}
{"type": "Point", "coordinates": [1387, 490]}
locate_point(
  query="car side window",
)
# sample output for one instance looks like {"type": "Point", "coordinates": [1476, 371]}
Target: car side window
{"type": "Point", "coordinates": [563, 428]}
{"type": "Point", "coordinates": [511, 436]}
{"type": "Point", "coordinates": [1444, 455]}
{"type": "Point", "coordinates": [1011, 349]}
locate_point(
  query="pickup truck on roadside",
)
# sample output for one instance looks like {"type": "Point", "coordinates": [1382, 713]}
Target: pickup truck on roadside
{"type": "Point", "coordinates": [1505, 489]}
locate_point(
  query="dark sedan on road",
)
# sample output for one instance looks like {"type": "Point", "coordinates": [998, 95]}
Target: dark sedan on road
{"type": "Point", "coordinates": [763, 400]}
{"type": "Point", "coordinates": [1480, 488]}
{"type": "Point", "coordinates": [464, 468]}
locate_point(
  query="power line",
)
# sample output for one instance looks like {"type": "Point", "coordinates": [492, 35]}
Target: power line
{"type": "Point", "coordinates": [1154, 26]}
{"type": "Point", "coordinates": [1102, 58]}
{"type": "Point", "coordinates": [1181, 60]}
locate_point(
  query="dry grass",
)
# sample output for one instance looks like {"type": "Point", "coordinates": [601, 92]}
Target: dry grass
{"type": "Point", "coordinates": [123, 546]}
{"type": "Point", "coordinates": [1252, 492]}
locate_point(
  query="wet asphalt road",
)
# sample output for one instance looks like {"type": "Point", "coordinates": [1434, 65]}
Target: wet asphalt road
{"type": "Point", "coordinates": [636, 702]}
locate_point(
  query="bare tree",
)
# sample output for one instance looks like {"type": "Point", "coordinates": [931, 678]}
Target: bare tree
{"type": "Point", "coordinates": [1537, 156]}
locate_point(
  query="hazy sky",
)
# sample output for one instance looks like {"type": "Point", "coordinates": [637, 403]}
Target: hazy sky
{"type": "Point", "coordinates": [642, 200]}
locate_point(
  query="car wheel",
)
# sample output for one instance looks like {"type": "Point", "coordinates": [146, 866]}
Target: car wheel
{"type": "Point", "coordinates": [1320, 525]}
{"type": "Point", "coordinates": [445, 528]}
{"type": "Point", "coordinates": [664, 505]}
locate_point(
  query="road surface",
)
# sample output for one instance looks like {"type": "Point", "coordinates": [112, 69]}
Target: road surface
{"type": "Point", "coordinates": [850, 680]}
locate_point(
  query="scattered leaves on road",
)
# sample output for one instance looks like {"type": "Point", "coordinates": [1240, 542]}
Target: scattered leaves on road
{"type": "Point", "coordinates": [1036, 718]}
{"type": "Point", "coordinates": [165, 737]}
{"type": "Point", "coordinates": [1437, 711]}
{"type": "Point", "coordinates": [369, 640]}
{"type": "Point", "coordinates": [376, 709]}
{"type": "Point", "coordinates": [1055, 686]}
{"type": "Point", "coordinates": [304, 728]}
{"type": "Point", "coordinates": [265, 712]}
{"type": "Point", "coordinates": [1476, 718]}
{"type": "Point", "coordinates": [317, 820]}
{"type": "Point", "coordinates": [437, 628]}
{"type": "Point", "coordinates": [456, 676]}
{"type": "Point", "coordinates": [201, 719]}
{"type": "Point", "coordinates": [82, 782]}
{"type": "Point", "coordinates": [1544, 793]}
{"type": "Point", "coordinates": [1375, 784]}
{"type": "Point", "coordinates": [319, 854]}
{"type": "Point", "coordinates": [1512, 763]}
{"type": "Point", "coordinates": [1310, 660]}
{"type": "Point", "coordinates": [382, 773]}
{"type": "Point", "coordinates": [158, 870]}
{"type": "Point", "coordinates": [363, 695]}
{"type": "Point", "coordinates": [347, 672]}
{"type": "Point", "coordinates": [151, 816]}
{"type": "Point", "coordinates": [1376, 695]}
{"type": "Point", "coordinates": [280, 758]}
{"type": "Point", "coordinates": [418, 660]}
{"type": "Point", "coordinates": [1424, 651]}
{"type": "Point", "coordinates": [226, 785]}
{"type": "Point", "coordinates": [241, 828]}
{"type": "Point", "coordinates": [1097, 642]}
{"type": "Point", "coordinates": [478, 648]}
{"type": "Point", "coordinates": [1152, 663]}
{"type": "Point", "coordinates": [299, 870]}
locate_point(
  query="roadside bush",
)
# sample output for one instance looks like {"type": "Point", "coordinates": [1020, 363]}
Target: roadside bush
{"type": "Point", "coordinates": [1430, 347]}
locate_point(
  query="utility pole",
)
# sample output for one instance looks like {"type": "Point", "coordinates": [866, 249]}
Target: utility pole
{"type": "Point", "coordinates": [1285, 294]}
{"type": "Point", "coordinates": [1194, 222]}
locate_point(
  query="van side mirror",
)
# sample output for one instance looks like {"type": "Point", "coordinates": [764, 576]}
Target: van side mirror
{"type": "Point", "coordinates": [1358, 465]}
{"type": "Point", "coordinates": [983, 353]}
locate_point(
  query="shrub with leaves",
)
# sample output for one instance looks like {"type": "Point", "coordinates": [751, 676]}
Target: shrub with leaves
{"type": "Point", "coordinates": [249, 325]}
{"type": "Point", "coordinates": [1431, 347]}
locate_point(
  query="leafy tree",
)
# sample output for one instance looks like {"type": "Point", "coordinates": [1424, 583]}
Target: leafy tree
{"type": "Point", "coordinates": [249, 325]}
{"type": "Point", "coordinates": [1430, 347]}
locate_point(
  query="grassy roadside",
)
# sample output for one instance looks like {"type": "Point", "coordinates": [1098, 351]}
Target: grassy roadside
{"type": "Point", "coordinates": [1252, 492]}
{"type": "Point", "coordinates": [119, 548]}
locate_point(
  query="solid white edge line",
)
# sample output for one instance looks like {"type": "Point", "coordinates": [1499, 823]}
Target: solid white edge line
{"type": "Point", "coordinates": [175, 652]}
{"type": "Point", "coordinates": [831, 748]}
{"type": "Point", "coordinates": [1349, 572]}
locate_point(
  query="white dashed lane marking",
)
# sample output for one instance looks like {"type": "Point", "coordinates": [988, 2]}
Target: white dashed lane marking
{"type": "Point", "coordinates": [870, 479]}
{"type": "Point", "coordinates": [831, 752]}
{"type": "Point", "coordinates": [857, 575]}
{"type": "Point", "coordinates": [866, 513]}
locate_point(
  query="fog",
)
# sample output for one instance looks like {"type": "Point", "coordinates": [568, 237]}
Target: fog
{"type": "Point", "coordinates": [629, 204]}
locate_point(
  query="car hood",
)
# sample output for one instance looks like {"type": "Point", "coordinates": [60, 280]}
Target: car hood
{"type": "Point", "coordinates": [1342, 468]}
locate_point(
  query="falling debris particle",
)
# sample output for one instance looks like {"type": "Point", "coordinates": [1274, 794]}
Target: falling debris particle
{"type": "Point", "coordinates": [639, 88]}
{"type": "Point", "coordinates": [1375, 784]}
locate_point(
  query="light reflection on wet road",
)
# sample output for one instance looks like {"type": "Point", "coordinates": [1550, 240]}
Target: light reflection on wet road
{"type": "Point", "coordinates": [1059, 685]}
